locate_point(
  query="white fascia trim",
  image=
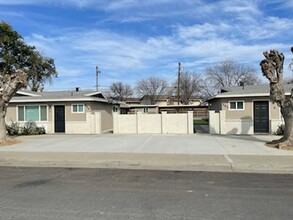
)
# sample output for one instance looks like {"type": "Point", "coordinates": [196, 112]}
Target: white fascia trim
{"type": "Point", "coordinates": [93, 93]}
{"type": "Point", "coordinates": [27, 93]}
{"type": "Point", "coordinates": [60, 100]}
{"type": "Point", "coordinates": [143, 106]}
{"type": "Point", "coordinates": [242, 95]}
{"type": "Point", "coordinates": [171, 106]}
{"type": "Point", "coordinates": [246, 95]}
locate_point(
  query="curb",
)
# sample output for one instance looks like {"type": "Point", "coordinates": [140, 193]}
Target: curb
{"type": "Point", "coordinates": [262, 164]}
{"type": "Point", "coordinates": [150, 161]}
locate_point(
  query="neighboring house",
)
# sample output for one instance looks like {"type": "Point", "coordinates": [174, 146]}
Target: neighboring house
{"type": "Point", "coordinates": [132, 101]}
{"type": "Point", "coordinates": [166, 100]}
{"type": "Point", "coordinates": [164, 104]}
{"type": "Point", "coordinates": [244, 110]}
{"type": "Point", "coordinates": [143, 108]}
{"type": "Point", "coordinates": [199, 111]}
{"type": "Point", "coordinates": [70, 112]}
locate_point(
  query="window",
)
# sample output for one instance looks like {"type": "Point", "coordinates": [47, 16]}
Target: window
{"type": "Point", "coordinates": [32, 113]}
{"type": "Point", "coordinates": [115, 108]}
{"type": "Point", "coordinates": [78, 108]}
{"type": "Point", "coordinates": [145, 110]}
{"type": "Point", "coordinates": [236, 105]}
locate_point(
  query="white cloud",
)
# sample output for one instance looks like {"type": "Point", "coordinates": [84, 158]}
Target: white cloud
{"type": "Point", "coordinates": [213, 32]}
{"type": "Point", "coordinates": [270, 28]}
{"type": "Point", "coordinates": [240, 6]}
{"type": "Point", "coordinates": [206, 30]}
{"type": "Point", "coordinates": [77, 53]}
{"type": "Point", "coordinates": [129, 58]}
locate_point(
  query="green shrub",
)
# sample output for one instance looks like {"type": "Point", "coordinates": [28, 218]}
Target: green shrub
{"type": "Point", "coordinates": [13, 129]}
{"type": "Point", "coordinates": [30, 128]}
{"type": "Point", "coordinates": [280, 130]}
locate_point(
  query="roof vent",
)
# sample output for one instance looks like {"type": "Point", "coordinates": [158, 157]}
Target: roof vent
{"type": "Point", "coordinates": [76, 89]}
{"type": "Point", "coordinates": [241, 83]}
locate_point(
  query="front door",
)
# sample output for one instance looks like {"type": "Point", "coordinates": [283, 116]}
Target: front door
{"type": "Point", "coordinates": [59, 118]}
{"type": "Point", "coordinates": [261, 117]}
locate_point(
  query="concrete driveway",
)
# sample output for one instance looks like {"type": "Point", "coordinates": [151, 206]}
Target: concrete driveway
{"type": "Point", "coordinates": [149, 143]}
{"type": "Point", "coordinates": [196, 152]}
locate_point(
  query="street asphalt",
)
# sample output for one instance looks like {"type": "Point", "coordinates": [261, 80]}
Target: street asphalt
{"type": "Point", "coordinates": [195, 152]}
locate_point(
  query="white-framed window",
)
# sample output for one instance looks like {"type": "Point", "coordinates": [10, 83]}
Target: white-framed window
{"type": "Point", "coordinates": [32, 113]}
{"type": "Point", "coordinates": [77, 108]}
{"type": "Point", "coordinates": [236, 105]}
{"type": "Point", "coordinates": [145, 110]}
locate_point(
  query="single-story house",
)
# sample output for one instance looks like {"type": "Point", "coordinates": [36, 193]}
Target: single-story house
{"type": "Point", "coordinates": [244, 110]}
{"type": "Point", "coordinates": [166, 100]}
{"type": "Point", "coordinates": [70, 112]}
{"type": "Point", "coordinates": [164, 103]}
{"type": "Point", "coordinates": [199, 111]}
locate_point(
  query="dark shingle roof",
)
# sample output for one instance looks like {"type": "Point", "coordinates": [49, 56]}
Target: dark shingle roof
{"type": "Point", "coordinates": [249, 91]}
{"type": "Point", "coordinates": [28, 96]}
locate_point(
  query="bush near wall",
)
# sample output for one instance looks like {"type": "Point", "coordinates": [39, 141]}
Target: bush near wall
{"type": "Point", "coordinates": [280, 130]}
{"type": "Point", "coordinates": [30, 128]}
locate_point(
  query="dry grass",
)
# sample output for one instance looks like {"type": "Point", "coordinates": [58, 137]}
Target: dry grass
{"type": "Point", "coordinates": [9, 141]}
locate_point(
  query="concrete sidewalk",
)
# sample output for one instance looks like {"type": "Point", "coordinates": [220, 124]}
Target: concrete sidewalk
{"type": "Point", "coordinates": [197, 152]}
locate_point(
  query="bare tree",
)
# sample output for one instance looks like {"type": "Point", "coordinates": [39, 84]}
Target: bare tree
{"type": "Point", "coordinates": [152, 87]}
{"type": "Point", "coordinates": [272, 69]}
{"type": "Point", "coordinates": [208, 89]}
{"type": "Point", "coordinates": [189, 85]}
{"type": "Point", "coordinates": [228, 73]}
{"type": "Point", "coordinates": [121, 91]}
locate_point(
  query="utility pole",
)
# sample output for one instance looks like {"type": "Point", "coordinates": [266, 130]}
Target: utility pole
{"type": "Point", "coordinates": [97, 78]}
{"type": "Point", "coordinates": [178, 85]}
{"type": "Point", "coordinates": [291, 68]}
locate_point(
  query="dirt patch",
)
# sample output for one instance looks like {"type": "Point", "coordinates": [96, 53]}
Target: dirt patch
{"type": "Point", "coordinates": [9, 141]}
{"type": "Point", "coordinates": [277, 147]}
{"type": "Point", "coordinates": [287, 148]}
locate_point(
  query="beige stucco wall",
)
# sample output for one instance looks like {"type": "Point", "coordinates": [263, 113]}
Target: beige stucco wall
{"type": "Point", "coordinates": [225, 121]}
{"type": "Point", "coordinates": [11, 113]}
{"type": "Point", "coordinates": [87, 122]}
{"type": "Point", "coordinates": [106, 114]}
{"type": "Point", "coordinates": [149, 123]}
{"type": "Point", "coordinates": [247, 113]}
{"type": "Point", "coordinates": [154, 123]}
{"type": "Point", "coordinates": [219, 124]}
{"type": "Point", "coordinates": [11, 116]}
{"type": "Point", "coordinates": [126, 124]}
{"type": "Point", "coordinates": [275, 111]}
{"type": "Point", "coordinates": [236, 114]}
{"type": "Point", "coordinates": [74, 116]}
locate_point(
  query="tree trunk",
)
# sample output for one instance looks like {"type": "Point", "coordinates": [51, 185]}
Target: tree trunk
{"type": "Point", "coordinates": [2, 123]}
{"type": "Point", "coordinates": [272, 68]}
{"type": "Point", "coordinates": [9, 85]}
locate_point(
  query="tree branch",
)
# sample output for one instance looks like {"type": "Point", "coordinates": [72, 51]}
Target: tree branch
{"type": "Point", "coordinates": [10, 84]}
{"type": "Point", "coordinates": [272, 69]}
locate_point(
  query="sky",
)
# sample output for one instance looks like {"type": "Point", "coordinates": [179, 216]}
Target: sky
{"type": "Point", "coordinates": [131, 40]}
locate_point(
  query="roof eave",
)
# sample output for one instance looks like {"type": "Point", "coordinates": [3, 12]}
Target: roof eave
{"type": "Point", "coordinates": [60, 100]}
